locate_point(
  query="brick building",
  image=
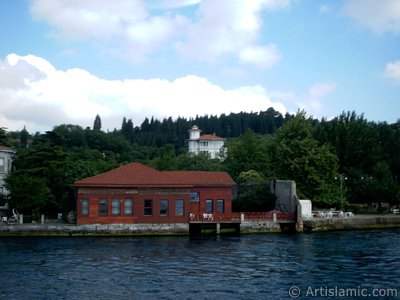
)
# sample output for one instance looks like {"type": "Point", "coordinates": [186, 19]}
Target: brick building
{"type": "Point", "coordinates": [135, 193]}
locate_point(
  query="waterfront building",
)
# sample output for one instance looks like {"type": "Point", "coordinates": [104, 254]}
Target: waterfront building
{"type": "Point", "coordinates": [209, 143]}
{"type": "Point", "coordinates": [6, 159]}
{"type": "Point", "coordinates": [135, 193]}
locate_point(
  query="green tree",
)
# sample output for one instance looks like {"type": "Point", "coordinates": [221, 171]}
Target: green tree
{"type": "Point", "coordinates": [24, 136]}
{"type": "Point", "coordinates": [350, 135]}
{"type": "Point", "coordinates": [198, 162]}
{"type": "Point", "coordinates": [389, 140]}
{"type": "Point", "coordinates": [296, 155]}
{"type": "Point", "coordinates": [28, 193]}
{"type": "Point", "coordinates": [70, 135]}
{"type": "Point", "coordinates": [97, 123]}
{"type": "Point", "coordinates": [127, 130]}
{"type": "Point", "coordinates": [253, 193]}
{"type": "Point", "coordinates": [359, 149]}
{"type": "Point", "coordinates": [167, 159]}
{"type": "Point", "coordinates": [246, 153]}
{"type": "Point", "coordinates": [3, 136]}
{"type": "Point", "coordinates": [45, 160]}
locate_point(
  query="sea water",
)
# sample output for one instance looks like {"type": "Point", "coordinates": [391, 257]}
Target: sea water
{"type": "Point", "coordinates": [345, 265]}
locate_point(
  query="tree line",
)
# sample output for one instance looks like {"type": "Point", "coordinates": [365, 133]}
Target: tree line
{"type": "Point", "coordinates": [336, 163]}
{"type": "Point", "coordinates": [158, 133]}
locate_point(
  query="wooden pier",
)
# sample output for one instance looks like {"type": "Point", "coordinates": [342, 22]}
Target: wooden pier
{"type": "Point", "coordinates": [214, 227]}
{"type": "Point", "coordinates": [203, 224]}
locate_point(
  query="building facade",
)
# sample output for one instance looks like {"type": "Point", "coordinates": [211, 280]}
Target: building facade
{"type": "Point", "coordinates": [209, 143]}
{"type": "Point", "coordinates": [135, 193]}
{"type": "Point", "coordinates": [6, 159]}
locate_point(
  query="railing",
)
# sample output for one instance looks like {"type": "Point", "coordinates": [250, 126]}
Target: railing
{"type": "Point", "coordinates": [332, 214]}
{"type": "Point", "coordinates": [280, 215]}
{"type": "Point", "coordinates": [236, 216]}
{"type": "Point", "coordinates": [215, 217]}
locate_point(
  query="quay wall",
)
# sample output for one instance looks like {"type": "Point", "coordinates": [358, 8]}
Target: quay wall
{"type": "Point", "coordinates": [94, 230]}
{"type": "Point", "coordinates": [246, 227]}
{"type": "Point", "coordinates": [353, 223]}
{"type": "Point", "coordinates": [259, 226]}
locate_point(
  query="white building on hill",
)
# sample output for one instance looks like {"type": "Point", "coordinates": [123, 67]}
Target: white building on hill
{"type": "Point", "coordinates": [6, 158]}
{"type": "Point", "coordinates": [209, 143]}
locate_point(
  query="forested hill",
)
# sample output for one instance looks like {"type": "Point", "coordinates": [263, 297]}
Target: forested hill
{"type": "Point", "coordinates": [335, 163]}
{"type": "Point", "coordinates": [156, 133]}
{"type": "Point", "coordinates": [47, 164]}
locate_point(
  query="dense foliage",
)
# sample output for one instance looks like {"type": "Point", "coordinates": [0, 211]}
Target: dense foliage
{"type": "Point", "coordinates": [342, 161]}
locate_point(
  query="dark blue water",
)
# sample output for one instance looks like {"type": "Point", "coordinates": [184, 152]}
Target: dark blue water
{"type": "Point", "coordinates": [245, 267]}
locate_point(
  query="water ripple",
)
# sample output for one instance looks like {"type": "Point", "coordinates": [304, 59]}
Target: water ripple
{"type": "Point", "coordinates": [252, 266]}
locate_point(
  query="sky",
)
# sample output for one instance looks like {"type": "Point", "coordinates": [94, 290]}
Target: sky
{"type": "Point", "coordinates": [65, 61]}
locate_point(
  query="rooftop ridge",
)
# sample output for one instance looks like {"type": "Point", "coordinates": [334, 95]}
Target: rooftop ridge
{"type": "Point", "coordinates": [137, 174]}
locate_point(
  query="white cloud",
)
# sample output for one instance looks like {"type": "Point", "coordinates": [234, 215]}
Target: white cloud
{"type": "Point", "coordinates": [39, 96]}
{"type": "Point", "coordinates": [325, 9]}
{"type": "Point", "coordinates": [125, 25]}
{"type": "Point", "coordinates": [136, 29]}
{"type": "Point", "coordinates": [379, 16]}
{"type": "Point", "coordinates": [232, 28]}
{"type": "Point", "coordinates": [312, 101]}
{"type": "Point", "coordinates": [261, 57]}
{"type": "Point", "coordinates": [80, 19]}
{"type": "Point", "coordinates": [150, 35]}
{"type": "Point", "coordinates": [168, 4]}
{"type": "Point", "coordinates": [320, 90]}
{"type": "Point", "coordinates": [392, 71]}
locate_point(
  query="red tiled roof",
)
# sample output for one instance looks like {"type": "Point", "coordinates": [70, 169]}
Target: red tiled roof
{"type": "Point", "coordinates": [5, 148]}
{"type": "Point", "coordinates": [137, 174]}
{"type": "Point", "coordinates": [210, 137]}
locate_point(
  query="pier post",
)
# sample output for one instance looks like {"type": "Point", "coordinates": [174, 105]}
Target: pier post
{"type": "Point", "coordinates": [299, 219]}
{"type": "Point", "coordinates": [218, 228]}
{"type": "Point", "coordinates": [42, 219]}
{"type": "Point", "coordinates": [21, 219]}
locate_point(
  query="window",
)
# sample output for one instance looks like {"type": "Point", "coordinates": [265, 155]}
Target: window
{"type": "Point", "coordinates": [209, 206]}
{"type": "Point", "coordinates": [220, 206]}
{"type": "Point", "coordinates": [194, 196]}
{"type": "Point", "coordinates": [163, 207]}
{"type": "Point", "coordinates": [128, 206]}
{"type": "Point", "coordinates": [103, 207]}
{"type": "Point", "coordinates": [85, 207]}
{"type": "Point", "coordinates": [148, 207]}
{"type": "Point", "coordinates": [2, 165]}
{"type": "Point", "coordinates": [116, 207]}
{"type": "Point", "coordinates": [179, 209]}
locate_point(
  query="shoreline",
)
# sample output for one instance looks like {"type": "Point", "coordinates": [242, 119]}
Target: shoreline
{"type": "Point", "coordinates": [353, 223]}
{"type": "Point", "coordinates": [182, 229]}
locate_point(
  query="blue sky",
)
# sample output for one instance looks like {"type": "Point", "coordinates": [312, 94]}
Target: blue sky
{"type": "Point", "coordinates": [66, 61]}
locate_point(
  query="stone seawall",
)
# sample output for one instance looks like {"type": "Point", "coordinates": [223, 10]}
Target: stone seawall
{"type": "Point", "coordinates": [122, 229]}
{"type": "Point", "coordinates": [356, 222]}
{"type": "Point", "coordinates": [94, 230]}
{"type": "Point", "coordinates": [260, 226]}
